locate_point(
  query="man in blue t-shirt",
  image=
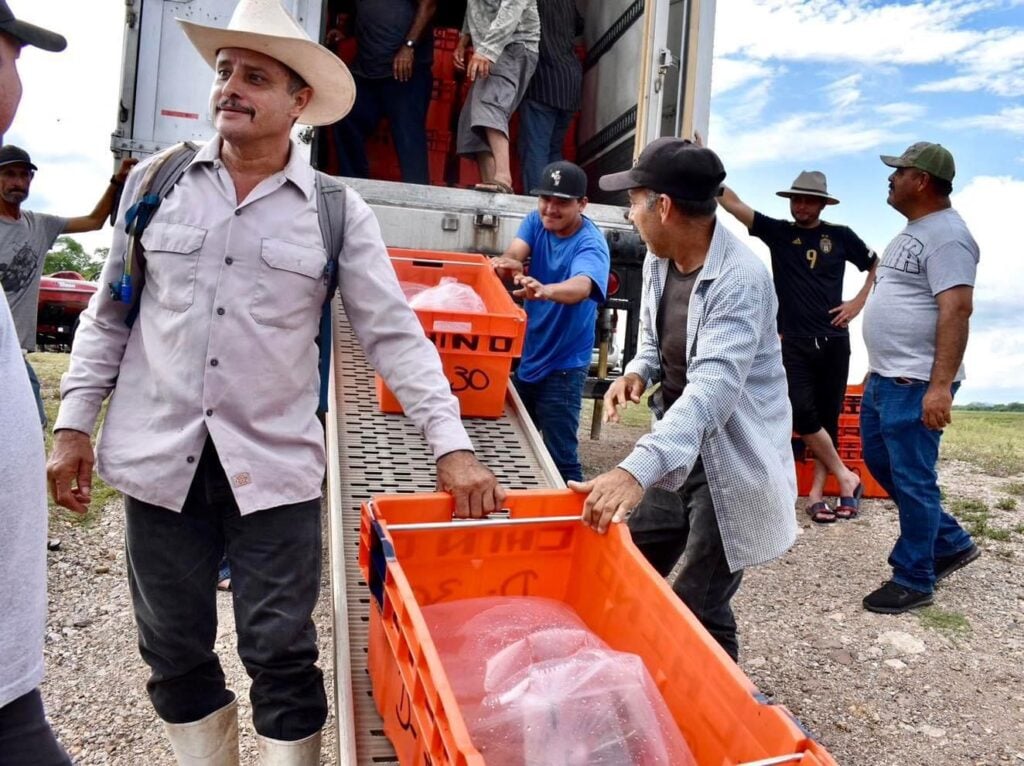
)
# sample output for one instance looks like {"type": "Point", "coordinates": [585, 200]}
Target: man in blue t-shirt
{"type": "Point", "coordinates": [568, 276]}
{"type": "Point", "coordinates": [393, 79]}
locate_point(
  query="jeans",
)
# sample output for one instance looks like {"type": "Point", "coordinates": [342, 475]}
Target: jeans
{"type": "Point", "coordinates": [274, 555]}
{"type": "Point", "coordinates": [553, 404]}
{"type": "Point", "coordinates": [37, 390]}
{"type": "Point", "coordinates": [542, 131]}
{"type": "Point", "coordinates": [405, 105]}
{"type": "Point", "coordinates": [669, 525]}
{"type": "Point", "coordinates": [25, 737]}
{"type": "Point", "coordinates": [901, 453]}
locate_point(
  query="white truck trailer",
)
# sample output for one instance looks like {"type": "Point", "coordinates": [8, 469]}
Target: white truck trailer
{"type": "Point", "coordinates": [647, 74]}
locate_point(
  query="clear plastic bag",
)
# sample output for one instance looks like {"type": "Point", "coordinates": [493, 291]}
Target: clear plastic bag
{"type": "Point", "coordinates": [536, 686]}
{"type": "Point", "coordinates": [448, 295]}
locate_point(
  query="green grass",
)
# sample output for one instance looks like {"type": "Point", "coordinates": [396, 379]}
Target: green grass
{"type": "Point", "coordinates": [992, 441]}
{"type": "Point", "coordinates": [1014, 488]}
{"type": "Point", "coordinates": [1007, 504]}
{"type": "Point", "coordinates": [976, 516]}
{"type": "Point", "coordinates": [637, 415]}
{"type": "Point", "coordinates": [50, 367]}
{"type": "Point", "coordinates": [950, 623]}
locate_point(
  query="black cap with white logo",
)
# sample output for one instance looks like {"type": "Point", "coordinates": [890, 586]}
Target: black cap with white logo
{"type": "Point", "coordinates": [562, 179]}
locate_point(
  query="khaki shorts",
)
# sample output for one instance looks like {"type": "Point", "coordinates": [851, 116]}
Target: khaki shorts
{"type": "Point", "coordinates": [493, 99]}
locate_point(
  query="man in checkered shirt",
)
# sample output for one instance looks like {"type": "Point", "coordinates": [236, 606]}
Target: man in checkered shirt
{"type": "Point", "coordinates": [715, 475]}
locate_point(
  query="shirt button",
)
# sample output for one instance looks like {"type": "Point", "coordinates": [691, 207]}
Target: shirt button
{"type": "Point", "coordinates": [238, 212]}
{"type": "Point", "coordinates": [214, 362]}
{"type": "Point", "coordinates": [220, 312]}
{"type": "Point", "coordinates": [190, 459]}
{"type": "Point", "coordinates": [229, 260]}
{"type": "Point", "coordinates": [209, 412]}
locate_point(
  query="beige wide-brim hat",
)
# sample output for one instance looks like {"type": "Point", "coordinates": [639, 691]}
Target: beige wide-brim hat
{"type": "Point", "coordinates": [266, 27]}
{"type": "Point", "coordinates": [810, 183]}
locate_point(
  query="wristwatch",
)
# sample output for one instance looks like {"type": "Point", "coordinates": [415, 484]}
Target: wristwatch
{"type": "Point", "coordinates": [410, 43]}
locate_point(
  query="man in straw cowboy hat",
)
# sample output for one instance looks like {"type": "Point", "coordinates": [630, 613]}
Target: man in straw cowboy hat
{"type": "Point", "coordinates": [809, 258]}
{"type": "Point", "coordinates": [25, 736]}
{"type": "Point", "coordinates": [211, 432]}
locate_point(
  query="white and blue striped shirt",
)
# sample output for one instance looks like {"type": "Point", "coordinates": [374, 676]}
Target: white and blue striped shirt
{"type": "Point", "coordinates": [734, 411]}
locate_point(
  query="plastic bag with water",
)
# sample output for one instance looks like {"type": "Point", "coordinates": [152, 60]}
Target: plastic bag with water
{"type": "Point", "coordinates": [447, 295]}
{"type": "Point", "coordinates": [536, 686]}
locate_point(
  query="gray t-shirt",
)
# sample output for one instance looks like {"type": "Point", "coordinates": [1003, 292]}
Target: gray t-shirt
{"type": "Point", "coordinates": [930, 255]}
{"type": "Point", "coordinates": [23, 247]}
{"type": "Point", "coordinates": [22, 524]}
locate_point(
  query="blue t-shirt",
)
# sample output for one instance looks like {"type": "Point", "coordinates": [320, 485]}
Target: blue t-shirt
{"type": "Point", "coordinates": [560, 336]}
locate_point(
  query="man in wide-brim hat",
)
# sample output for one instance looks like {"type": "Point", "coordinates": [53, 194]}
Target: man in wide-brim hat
{"type": "Point", "coordinates": [212, 431]}
{"type": "Point", "coordinates": [809, 258]}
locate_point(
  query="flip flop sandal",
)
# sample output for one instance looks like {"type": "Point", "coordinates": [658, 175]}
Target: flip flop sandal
{"type": "Point", "coordinates": [849, 507]}
{"type": "Point", "coordinates": [494, 187]}
{"type": "Point", "coordinates": [820, 513]}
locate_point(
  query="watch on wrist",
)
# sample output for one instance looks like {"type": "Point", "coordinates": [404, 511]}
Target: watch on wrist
{"type": "Point", "coordinates": [410, 43]}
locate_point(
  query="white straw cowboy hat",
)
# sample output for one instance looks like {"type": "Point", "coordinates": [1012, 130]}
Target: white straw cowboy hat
{"type": "Point", "coordinates": [810, 183]}
{"type": "Point", "coordinates": [266, 27]}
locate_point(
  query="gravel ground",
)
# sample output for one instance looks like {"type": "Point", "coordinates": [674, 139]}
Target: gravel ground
{"type": "Point", "coordinates": [944, 685]}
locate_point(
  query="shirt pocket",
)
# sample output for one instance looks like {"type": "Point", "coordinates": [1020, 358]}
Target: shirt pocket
{"type": "Point", "coordinates": [291, 284]}
{"type": "Point", "coordinates": [172, 258]}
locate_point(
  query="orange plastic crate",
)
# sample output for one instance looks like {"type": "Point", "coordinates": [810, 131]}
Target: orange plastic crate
{"type": "Point", "coordinates": [476, 350]}
{"type": "Point", "coordinates": [805, 477]}
{"type": "Point", "coordinates": [604, 578]}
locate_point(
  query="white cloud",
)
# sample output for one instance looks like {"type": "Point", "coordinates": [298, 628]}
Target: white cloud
{"type": "Point", "coordinates": [804, 138]}
{"type": "Point", "coordinates": [728, 74]}
{"type": "Point", "coordinates": [844, 93]}
{"type": "Point", "coordinates": [1009, 120]}
{"type": "Point", "coordinates": [995, 64]}
{"type": "Point", "coordinates": [849, 30]}
{"type": "Point", "coordinates": [995, 351]}
{"type": "Point", "coordinates": [900, 112]}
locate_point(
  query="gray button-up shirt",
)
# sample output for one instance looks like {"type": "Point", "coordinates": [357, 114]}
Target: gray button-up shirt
{"type": "Point", "coordinates": [495, 24]}
{"type": "Point", "coordinates": [224, 343]}
{"type": "Point", "coordinates": [734, 411]}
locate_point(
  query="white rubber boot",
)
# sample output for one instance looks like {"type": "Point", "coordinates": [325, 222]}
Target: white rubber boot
{"type": "Point", "coordinates": [210, 741]}
{"type": "Point", "coordinates": [303, 752]}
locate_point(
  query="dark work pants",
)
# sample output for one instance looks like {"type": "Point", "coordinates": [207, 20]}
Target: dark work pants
{"type": "Point", "coordinates": [274, 555]}
{"type": "Point", "coordinates": [25, 737]}
{"type": "Point", "coordinates": [667, 526]}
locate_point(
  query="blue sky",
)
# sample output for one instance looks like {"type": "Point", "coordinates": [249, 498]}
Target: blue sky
{"type": "Point", "coordinates": [797, 84]}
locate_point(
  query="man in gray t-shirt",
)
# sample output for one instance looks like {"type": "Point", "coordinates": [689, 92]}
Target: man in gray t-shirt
{"type": "Point", "coordinates": [915, 327]}
{"type": "Point", "coordinates": [26, 238]}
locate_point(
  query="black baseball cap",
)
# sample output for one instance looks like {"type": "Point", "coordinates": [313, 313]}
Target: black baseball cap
{"type": "Point", "coordinates": [672, 166]}
{"type": "Point", "coordinates": [562, 179]}
{"type": "Point", "coordinates": [14, 155]}
{"type": "Point", "coordinates": [29, 34]}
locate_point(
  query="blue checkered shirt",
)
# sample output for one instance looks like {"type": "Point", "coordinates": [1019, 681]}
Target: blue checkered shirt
{"type": "Point", "coordinates": [734, 411]}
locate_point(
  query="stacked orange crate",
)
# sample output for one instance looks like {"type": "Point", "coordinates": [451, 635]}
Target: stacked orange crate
{"type": "Point", "coordinates": [849, 449]}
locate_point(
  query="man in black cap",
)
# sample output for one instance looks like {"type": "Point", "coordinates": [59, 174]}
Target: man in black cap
{"type": "Point", "coordinates": [720, 445]}
{"type": "Point", "coordinates": [26, 237]}
{"type": "Point", "coordinates": [809, 258]}
{"type": "Point", "coordinates": [25, 736]}
{"type": "Point", "coordinates": [568, 276]}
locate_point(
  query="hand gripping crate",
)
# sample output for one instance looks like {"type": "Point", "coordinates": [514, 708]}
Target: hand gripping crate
{"type": "Point", "coordinates": [476, 350]}
{"type": "Point", "coordinates": [413, 554]}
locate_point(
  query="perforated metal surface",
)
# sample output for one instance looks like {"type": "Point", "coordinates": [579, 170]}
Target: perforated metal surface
{"type": "Point", "coordinates": [377, 454]}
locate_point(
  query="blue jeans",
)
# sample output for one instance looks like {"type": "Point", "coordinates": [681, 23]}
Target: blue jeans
{"type": "Point", "coordinates": [553, 404]}
{"type": "Point", "coordinates": [173, 561]}
{"type": "Point", "coordinates": [26, 739]}
{"type": "Point", "coordinates": [542, 131]}
{"type": "Point", "coordinates": [901, 454]}
{"type": "Point", "coordinates": [405, 105]}
{"type": "Point", "coordinates": [37, 390]}
{"type": "Point", "coordinates": [667, 526]}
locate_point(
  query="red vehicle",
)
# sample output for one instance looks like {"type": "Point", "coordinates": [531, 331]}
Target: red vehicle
{"type": "Point", "coordinates": [63, 295]}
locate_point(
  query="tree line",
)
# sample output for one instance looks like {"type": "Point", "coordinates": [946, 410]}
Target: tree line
{"type": "Point", "coordinates": [69, 255]}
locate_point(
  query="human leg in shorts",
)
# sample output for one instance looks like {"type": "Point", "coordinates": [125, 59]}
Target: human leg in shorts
{"type": "Point", "coordinates": [816, 369]}
{"type": "Point", "coordinates": [483, 123]}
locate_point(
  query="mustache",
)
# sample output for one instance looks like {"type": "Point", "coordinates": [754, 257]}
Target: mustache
{"type": "Point", "coordinates": [233, 105]}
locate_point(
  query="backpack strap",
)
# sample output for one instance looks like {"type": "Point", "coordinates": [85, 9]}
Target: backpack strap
{"type": "Point", "coordinates": [161, 176]}
{"type": "Point", "coordinates": [330, 205]}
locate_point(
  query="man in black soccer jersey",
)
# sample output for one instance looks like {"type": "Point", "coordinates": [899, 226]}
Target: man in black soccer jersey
{"type": "Point", "coordinates": [809, 259]}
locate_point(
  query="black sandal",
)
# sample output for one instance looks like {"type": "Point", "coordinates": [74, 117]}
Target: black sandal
{"type": "Point", "coordinates": [820, 513]}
